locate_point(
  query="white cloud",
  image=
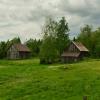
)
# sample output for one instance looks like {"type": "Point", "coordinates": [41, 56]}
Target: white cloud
{"type": "Point", "coordinates": [25, 17]}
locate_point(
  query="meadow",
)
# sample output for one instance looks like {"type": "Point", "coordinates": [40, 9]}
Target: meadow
{"type": "Point", "coordinates": [28, 80]}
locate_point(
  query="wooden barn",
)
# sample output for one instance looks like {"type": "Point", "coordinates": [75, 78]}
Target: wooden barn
{"type": "Point", "coordinates": [75, 52]}
{"type": "Point", "coordinates": [18, 51]}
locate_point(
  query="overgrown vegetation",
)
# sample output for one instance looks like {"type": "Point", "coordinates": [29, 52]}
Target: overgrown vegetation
{"type": "Point", "coordinates": [55, 39]}
{"type": "Point", "coordinates": [34, 46]}
{"type": "Point", "coordinates": [28, 80]}
{"type": "Point", "coordinates": [91, 39]}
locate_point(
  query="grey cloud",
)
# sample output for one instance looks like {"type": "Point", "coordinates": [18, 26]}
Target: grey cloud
{"type": "Point", "coordinates": [83, 11]}
{"type": "Point", "coordinates": [27, 16]}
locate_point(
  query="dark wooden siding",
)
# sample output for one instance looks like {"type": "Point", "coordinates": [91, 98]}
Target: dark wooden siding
{"type": "Point", "coordinates": [72, 48]}
{"type": "Point", "coordinates": [13, 53]}
{"type": "Point", "coordinates": [69, 59]}
{"type": "Point", "coordinates": [70, 54]}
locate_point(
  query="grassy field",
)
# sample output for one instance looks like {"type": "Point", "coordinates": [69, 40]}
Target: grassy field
{"type": "Point", "coordinates": [28, 80]}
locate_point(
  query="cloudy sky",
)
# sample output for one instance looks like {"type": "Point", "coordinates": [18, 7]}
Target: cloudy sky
{"type": "Point", "coordinates": [25, 18]}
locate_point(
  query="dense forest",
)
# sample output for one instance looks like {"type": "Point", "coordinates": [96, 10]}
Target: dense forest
{"type": "Point", "coordinates": [55, 39]}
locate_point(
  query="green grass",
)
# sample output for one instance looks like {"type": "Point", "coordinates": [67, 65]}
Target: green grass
{"type": "Point", "coordinates": [28, 80]}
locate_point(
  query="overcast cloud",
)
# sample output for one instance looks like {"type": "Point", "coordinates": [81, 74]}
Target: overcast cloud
{"type": "Point", "coordinates": [25, 18]}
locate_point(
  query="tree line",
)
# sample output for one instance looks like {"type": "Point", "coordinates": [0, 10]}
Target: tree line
{"type": "Point", "coordinates": [4, 46]}
{"type": "Point", "coordinates": [55, 38]}
{"type": "Point", "coordinates": [91, 39]}
{"type": "Point", "coordinates": [33, 44]}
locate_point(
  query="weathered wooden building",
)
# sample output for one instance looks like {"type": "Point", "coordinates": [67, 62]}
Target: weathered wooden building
{"type": "Point", "coordinates": [74, 52]}
{"type": "Point", "coordinates": [18, 51]}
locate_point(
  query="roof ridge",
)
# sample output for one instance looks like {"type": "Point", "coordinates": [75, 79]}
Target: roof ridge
{"type": "Point", "coordinates": [21, 47]}
{"type": "Point", "coordinates": [81, 48]}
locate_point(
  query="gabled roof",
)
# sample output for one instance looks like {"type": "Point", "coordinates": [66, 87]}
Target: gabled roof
{"type": "Point", "coordinates": [80, 46]}
{"type": "Point", "coordinates": [70, 54]}
{"type": "Point", "coordinates": [21, 47]}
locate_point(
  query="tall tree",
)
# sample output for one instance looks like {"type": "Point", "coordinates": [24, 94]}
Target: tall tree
{"type": "Point", "coordinates": [48, 51]}
{"type": "Point", "coordinates": [55, 39]}
{"type": "Point", "coordinates": [34, 46]}
{"type": "Point", "coordinates": [85, 37]}
{"type": "Point", "coordinates": [16, 40]}
{"type": "Point", "coordinates": [62, 35]}
{"type": "Point", "coordinates": [3, 50]}
{"type": "Point", "coordinates": [50, 28]}
{"type": "Point", "coordinates": [91, 39]}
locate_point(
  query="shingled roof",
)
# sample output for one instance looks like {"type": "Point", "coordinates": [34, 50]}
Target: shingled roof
{"type": "Point", "coordinates": [80, 46]}
{"type": "Point", "coordinates": [21, 48]}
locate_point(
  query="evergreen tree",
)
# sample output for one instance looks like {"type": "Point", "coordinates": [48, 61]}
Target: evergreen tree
{"type": "Point", "coordinates": [62, 35]}
{"type": "Point", "coordinates": [3, 50]}
{"type": "Point", "coordinates": [55, 39]}
{"type": "Point", "coordinates": [34, 46]}
{"type": "Point", "coordinates": [48, 51]}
